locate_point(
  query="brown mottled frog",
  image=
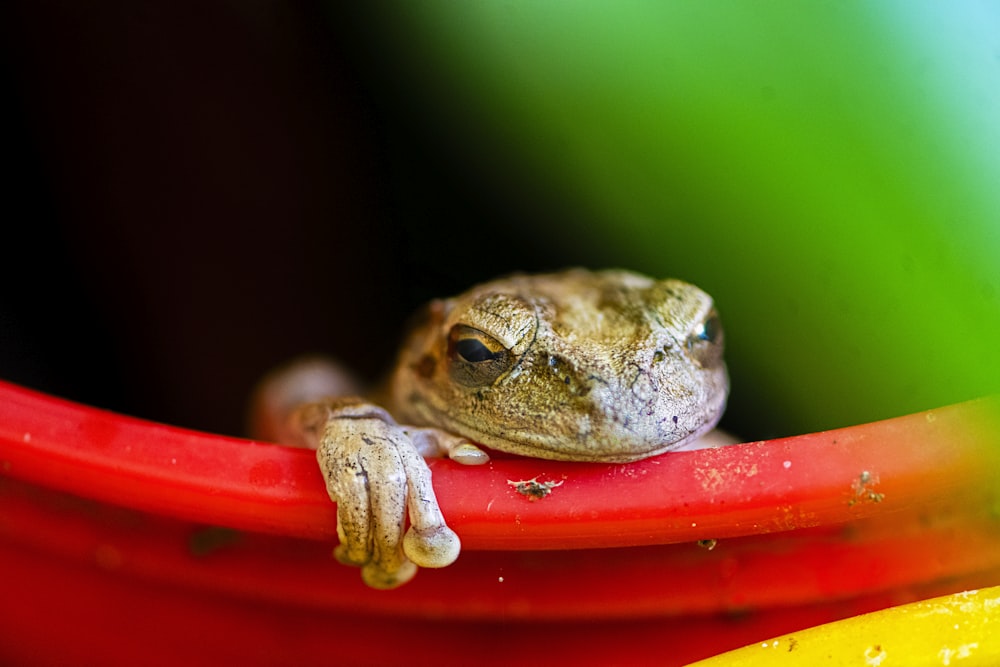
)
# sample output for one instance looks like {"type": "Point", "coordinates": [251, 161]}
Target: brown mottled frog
{"type": "Point", "coordinates": [575, 366]}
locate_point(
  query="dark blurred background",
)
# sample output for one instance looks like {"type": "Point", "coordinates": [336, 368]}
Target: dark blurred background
{"type": "Point", "coordinates": [197, 192]}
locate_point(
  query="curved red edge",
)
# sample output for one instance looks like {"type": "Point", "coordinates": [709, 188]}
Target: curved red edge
{"type": "Point", "coordinates": [753, 488]}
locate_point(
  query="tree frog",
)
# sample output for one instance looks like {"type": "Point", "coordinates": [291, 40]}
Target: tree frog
{"type": "Point", "coordinates": [576, 365]}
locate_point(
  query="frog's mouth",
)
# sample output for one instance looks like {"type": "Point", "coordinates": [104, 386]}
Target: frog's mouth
{"type": "Point", "coordinates": [590, 445]}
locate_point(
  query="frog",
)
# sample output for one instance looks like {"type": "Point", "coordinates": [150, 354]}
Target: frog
{"type": "Point", "coordinates": [576, 365]}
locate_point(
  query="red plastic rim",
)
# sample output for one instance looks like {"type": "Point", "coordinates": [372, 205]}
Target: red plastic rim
{"type": "Point", "coordinates": [761, 487]}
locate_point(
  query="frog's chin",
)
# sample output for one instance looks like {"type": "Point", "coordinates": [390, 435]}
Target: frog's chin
{"type": "Point", "coordinates": [595, 448]}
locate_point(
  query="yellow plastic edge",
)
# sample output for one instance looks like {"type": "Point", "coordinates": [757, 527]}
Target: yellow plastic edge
{"type": "Point", "coordinates": [962, 629]}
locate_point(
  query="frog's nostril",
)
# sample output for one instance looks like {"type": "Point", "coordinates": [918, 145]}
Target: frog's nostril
{"type": "Point", "coordinates": [567, 374]}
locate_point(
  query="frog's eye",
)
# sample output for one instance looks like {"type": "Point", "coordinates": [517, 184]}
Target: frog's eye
{"type": "Point", "coordinates": [474, 350]}
{"type": "Point", "coordinates": [710, 329]}
{"type": "Point", "coordinates": [705, 340]}
{"type": "Point", "coordinates": [475, 358]}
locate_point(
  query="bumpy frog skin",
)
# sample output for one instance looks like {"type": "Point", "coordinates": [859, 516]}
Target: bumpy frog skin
{"type": "Point", "coordinates": [575, 366]}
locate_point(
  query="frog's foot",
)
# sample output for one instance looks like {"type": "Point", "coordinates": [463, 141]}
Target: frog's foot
{"type": "Point", "coordinates": [376, 475]}
{"type": "Point", "coordinates": [285, 388]}
{"type": "Point", "coordinates": [433, 442]}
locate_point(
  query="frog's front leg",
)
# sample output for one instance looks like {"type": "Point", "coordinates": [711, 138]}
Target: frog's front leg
{"type": "Point", "coordinates": [375, 473]}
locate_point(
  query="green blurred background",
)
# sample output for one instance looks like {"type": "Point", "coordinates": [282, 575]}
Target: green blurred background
{"type": "Point", "coordinates": [830, 172]}
{"type": "Point", "coordinates": [199, 195]}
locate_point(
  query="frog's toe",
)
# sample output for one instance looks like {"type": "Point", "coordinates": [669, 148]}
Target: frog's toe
{"type": "Point", "coordinates": [437, 546]}
{"type": "Point", "coordinates": [383, 571]}
{"type": "Point", "coordinates": [376, 576]}
{"type": "Point", "coordinates": [347, 556]}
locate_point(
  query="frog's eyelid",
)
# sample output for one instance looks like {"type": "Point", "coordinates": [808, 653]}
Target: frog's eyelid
{"type": "Point", "coordinates": [508, 320]}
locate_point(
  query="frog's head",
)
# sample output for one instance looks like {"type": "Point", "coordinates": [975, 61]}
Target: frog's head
{"type": "Point", "coordinates": [578, 365]}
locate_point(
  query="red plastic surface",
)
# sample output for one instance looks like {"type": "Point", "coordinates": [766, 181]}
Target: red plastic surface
{"type": "Point", "coordinates": [747, 489]}
{"type": "Point", "coordinates": [107, 543]}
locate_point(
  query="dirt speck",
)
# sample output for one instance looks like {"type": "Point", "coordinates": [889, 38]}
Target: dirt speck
{"type": "Point", "coordinates": [863, 489]}
{"type": "Point", "coordinates": [534, 490]}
